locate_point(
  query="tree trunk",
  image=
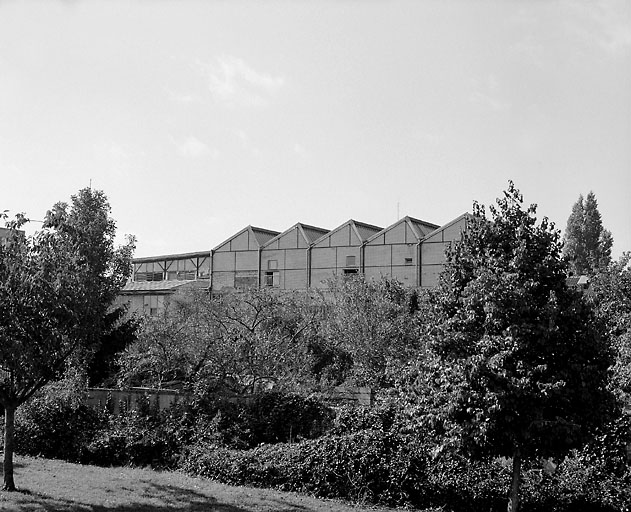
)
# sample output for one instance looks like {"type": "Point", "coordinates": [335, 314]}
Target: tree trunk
{"type": "Point", "coordinates": [9, 428]}
{"type": "Point", "coordinates": [513, 500]}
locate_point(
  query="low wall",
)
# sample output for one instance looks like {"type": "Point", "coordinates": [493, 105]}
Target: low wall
{"type": "Point", "coordinates": [346, 395]}
{"type": "Point", "coordinates": [116, 399]}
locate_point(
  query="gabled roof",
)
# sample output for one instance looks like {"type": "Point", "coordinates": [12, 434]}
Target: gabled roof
{"type": "Point", "coordinates": [420, 228]}
{"type": "Point", "coordinates": [308, 233]}
{"type": "Point", "coordinates": [259, 236]}
{"type": "Point", "coordinates": [361, 230]}
{"type": "Point", "coordinates": [466, 217]}
{"type": "Point", "coordinates": [365, 231]}
{"type": "Point", "coordinates": [312, 233]}
{"type": "Point", "coordinates": [423, 227]}
{"type": "Point", "coordinates": [263, 235]}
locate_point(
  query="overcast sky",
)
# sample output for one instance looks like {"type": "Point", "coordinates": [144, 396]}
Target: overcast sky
{"type": "Point", "coordinates": [198, 118]}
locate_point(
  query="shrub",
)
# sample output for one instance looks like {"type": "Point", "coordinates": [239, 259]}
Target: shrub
{"type": "Point", "coordinates": [267, 417]}
{"type": "Point", "coordinates": [141, 437]}
{"type": "Point", "coordinates": [371, 465]}
{"type": "Point", "coordinates": [56, 424]}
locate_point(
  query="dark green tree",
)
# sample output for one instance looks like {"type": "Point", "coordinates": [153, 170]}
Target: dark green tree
{"type": "Point", "coordinates": [56, 289]}
{"type": "Point", "coordinates": [587, 245]}
{"type": "Point", "coordinates": [526, 364]}
{"type": "Point", "coordinates": [610, 292]}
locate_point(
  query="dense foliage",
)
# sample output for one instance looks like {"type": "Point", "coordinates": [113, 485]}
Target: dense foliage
{"type": "Point", "coordinates": [240, 342]}
{"type": "Point", "coordinates": [528, 359]}
{"type": "Point", "coordinates": [381, 454]}
{"type": "Point", "coordinates": [356, 332]}
{"type": "Point", "coordinates": [501, 363]}
{"type": "Point", "coordinates": [57, 290]}
{"type": "Point", "coordinates": [587, 244]}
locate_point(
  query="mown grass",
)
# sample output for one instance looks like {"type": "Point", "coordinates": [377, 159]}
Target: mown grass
{"type": "Point", "coordinates": [53, 485]}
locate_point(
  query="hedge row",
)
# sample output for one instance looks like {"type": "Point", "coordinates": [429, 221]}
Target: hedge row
{"type": "Point", "coordinates": [368, 455]}
{"type": "Point", "coordinates": [383, 468]}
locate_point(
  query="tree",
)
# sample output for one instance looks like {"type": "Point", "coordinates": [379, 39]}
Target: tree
{"type": "Point", "coordinates": [239, 341]}
{"type": "Point", "coordinates": [587, 244]}
{"type": "Point", "coordinates": [56, 289]}
{"type": "Point", "coordinates": [525, 360]}
{"type": "Point", "coordinates": [610, 292]}
{"type": "Point", "coordinates": [374, 322]}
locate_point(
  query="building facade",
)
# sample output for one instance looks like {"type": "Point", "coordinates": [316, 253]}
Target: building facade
{"type": "Point", "coordinates": [302, 257]}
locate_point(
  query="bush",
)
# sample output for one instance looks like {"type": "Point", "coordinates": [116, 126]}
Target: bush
{"type": "Point", "coordinates": [141, 437]}
{"type": "Point", "coordinates": [371, 465]}
{"type": "Point", "coordinates": [268, 417]}
{"type": "Point", "coordinates": [55, 425]}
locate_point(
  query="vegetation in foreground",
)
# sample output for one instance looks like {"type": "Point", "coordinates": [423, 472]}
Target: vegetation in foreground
{"type": "Point", "coordinates": [65, 487]}
{"type": "Point", "coordinates": [386, 454]}
{"type": "Point", "coordinates": [502, 378]}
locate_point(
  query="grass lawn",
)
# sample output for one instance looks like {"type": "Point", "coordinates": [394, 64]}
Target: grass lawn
{"type": "Point", "coordinates": [53, 485]}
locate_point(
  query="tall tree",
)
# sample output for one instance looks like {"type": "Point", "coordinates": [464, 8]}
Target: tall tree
{"type": "Point", "coordinates": [56, 289]}
{"type": "Point", "coordinates": [525, 360]}
{"type": "Point", "coordinates": [587, 244]}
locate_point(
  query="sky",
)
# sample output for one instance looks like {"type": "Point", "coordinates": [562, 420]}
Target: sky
{"type": "Point", "coordinates": [198, 118]}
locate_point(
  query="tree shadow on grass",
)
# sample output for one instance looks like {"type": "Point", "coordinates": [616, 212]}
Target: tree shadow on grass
{"type": "Point", "coordinates": [157, 498]}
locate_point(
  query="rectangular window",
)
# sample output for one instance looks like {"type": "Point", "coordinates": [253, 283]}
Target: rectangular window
{"type": "Point", "coordinates": [350, 271]}
{"type": "Point", "coordinates": [149, 276]}
{"type": "Point", "coordinates": [350, 261]}
{"type": "Point", "coordinates": [272, 264]}
{"type": "Point", "coordinates": [152, 304]}
{"type": "Point", "coordinates": [271, 279]}
{"type": "Point", "coordinates": [408, 261]}
{"type": "Point", "coordinates": [181, 275]}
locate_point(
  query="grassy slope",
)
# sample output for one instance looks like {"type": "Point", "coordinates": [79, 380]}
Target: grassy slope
{"type": "Point", "coordinates": [53, 485]}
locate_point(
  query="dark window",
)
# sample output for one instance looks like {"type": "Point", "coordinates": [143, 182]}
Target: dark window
{"type": "Point", "coordinates": [271, 279]}
{"type": "Point", "coordinates": [149, 276]}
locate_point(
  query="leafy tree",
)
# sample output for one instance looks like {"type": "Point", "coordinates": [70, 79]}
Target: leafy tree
{"type": "Point", "coordinates": [610, 292]}
{"type": "Point", "coordinates": [56, 288]}
{"type": "Point", "coordinates": [526, 364]}
{"type": "Point", "coordinates": [240, 341]}
{"type": "Point", "coordinates": [587, 244]}
{"type": "Point", "coordinates": [374, 322]}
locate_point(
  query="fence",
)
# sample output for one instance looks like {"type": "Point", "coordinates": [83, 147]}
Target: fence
{"type": "Point", "coordinates": [116, 400]}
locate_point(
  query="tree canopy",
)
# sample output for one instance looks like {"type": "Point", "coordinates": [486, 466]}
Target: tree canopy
{"type": "Point", "coordinates": [524, 355]}
{"type": "Point", "coordinates": [240, 342]}
{"type": "Point", "coordinates": [56, 292]}
{"type": "Point", "coordinates": [587, 244]}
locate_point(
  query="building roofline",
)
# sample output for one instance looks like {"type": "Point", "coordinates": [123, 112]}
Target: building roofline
{"type": "Point", "coordinates": [147, 259]}
{"type": "Point", "coordinates": [408, 220]}
{"type": "Point", "coordinates": [353, 223]}
{"type": "Point", "coordinates": [250, 228]}
{"type": "Point", "coordinates": [465, 215]}
{"type": "Point", "coordinates": [301, 227]}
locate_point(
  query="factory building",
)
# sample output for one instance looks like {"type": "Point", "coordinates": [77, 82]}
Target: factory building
{"type": "Point", "coordinates": [302, 257]}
